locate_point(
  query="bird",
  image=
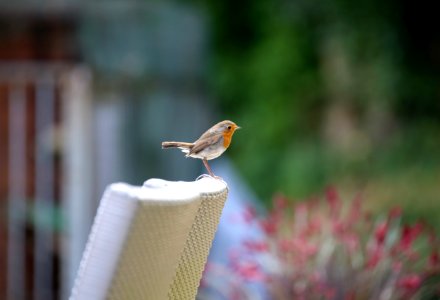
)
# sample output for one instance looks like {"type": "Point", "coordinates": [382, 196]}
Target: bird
{"type": "Point", "coordinates": [210, 144]}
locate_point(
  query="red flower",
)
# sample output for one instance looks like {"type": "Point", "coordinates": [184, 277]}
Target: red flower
{"type": "Point", "coordinates": [313, 227]}
{"type": "Point", "coordinates": [434, 259]}
{"type": "Point", "coordinates": [304, 247]}
{"type": "Point", "coordinates": [333, 200]}
{"type": "Point", "coordinates": [285, 246]}
{"type": "Point", "coordinates": [397, 266]}
{"type": "Point", "coordinates": [280, 202]}
{"type": "Point", "coordinates": [355, 210]}
{"type": "Point", "coordinates": [351, 242]}
{"type": "Point", "coordinates": [295, 235]}
{"type": "Point", "coordinates": [339, 227]}
{"type": "Point", "coordinates": [249, 270]}
{"type": "Point", "coordinates": [249, 214]}
{"type": "Point", "coordinates": [381, 232]}
{"type": "Point", "coordinates": [269, 226]}
{"type": "Point", "coordinates": [255, 246]}
{"type": "Point", "coordinates": [409, 234]}
{"type": "Point", "coordinates": [299, 246]}
{"type": "Point", "coordinates": [410, 282]}
{"type": "Point", "coordinates": [374, 258]}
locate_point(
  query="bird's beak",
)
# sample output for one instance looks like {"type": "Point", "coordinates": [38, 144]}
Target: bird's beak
{"type": "Point", "coordinates": [238, 127]}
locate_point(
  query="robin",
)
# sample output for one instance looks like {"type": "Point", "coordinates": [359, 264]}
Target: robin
{"type": "Point", "coordinates": [210, 145]}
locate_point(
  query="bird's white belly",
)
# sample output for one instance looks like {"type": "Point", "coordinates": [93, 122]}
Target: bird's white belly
{"type": "Point", "coordinates": [210, 152]}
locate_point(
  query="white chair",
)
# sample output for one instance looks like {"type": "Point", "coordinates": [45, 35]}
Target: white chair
{"type": "Point", "coordinates": [150, 242]}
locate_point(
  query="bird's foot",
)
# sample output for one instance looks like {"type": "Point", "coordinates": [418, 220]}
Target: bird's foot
{"type": "Point", "coordinates": [210, 176]}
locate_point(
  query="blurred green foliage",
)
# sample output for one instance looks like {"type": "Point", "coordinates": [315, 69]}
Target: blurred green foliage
{"type": "Point", "coordinates": [330, 92]}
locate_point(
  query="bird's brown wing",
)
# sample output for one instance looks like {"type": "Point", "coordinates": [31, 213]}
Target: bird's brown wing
{"type": "Point", "coordinates": [208, 134]}
{"type": "Point", "coordinates": [204, 141]}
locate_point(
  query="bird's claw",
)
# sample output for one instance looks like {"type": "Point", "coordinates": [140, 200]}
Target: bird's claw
{"type": "Point", "coordinates": [210, 176]}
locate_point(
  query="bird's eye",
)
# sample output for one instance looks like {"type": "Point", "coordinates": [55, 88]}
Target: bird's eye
{"type": "Point", "coordinates": [229, 127]}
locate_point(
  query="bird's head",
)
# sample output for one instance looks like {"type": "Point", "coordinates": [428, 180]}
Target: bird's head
{"type": "Point", "coordinates": [226, 127]}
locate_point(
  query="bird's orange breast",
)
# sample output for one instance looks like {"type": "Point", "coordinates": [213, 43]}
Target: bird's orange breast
{"type": "Point", "coordinates": [227, 137]}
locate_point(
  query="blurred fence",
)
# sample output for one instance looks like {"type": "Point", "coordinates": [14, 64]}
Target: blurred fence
{"type": "Point", "coordinates": [46, 149]}
{"type": "Point", "coordinates": [59, 148]}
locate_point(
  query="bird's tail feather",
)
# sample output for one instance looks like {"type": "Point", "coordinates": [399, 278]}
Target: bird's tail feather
{"type": "Point", "coordinates": [180, 145]}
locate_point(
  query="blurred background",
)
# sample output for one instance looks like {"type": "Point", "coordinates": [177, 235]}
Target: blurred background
{"type": "Point", "coordinates": [343, 93]}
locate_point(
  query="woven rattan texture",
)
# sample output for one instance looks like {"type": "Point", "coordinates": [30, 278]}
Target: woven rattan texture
{"type": "Point", "coordinates": [195, 253]}
{"type": "Point", "coordinates": [95, 270]}
{"type": "Point", "coordinates": [148, 249]}
{"type": "Point", "coordinates": [147, 264]}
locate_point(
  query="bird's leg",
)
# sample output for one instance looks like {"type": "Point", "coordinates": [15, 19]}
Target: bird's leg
{"type": "Point", "coordinates": [205, 162]}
